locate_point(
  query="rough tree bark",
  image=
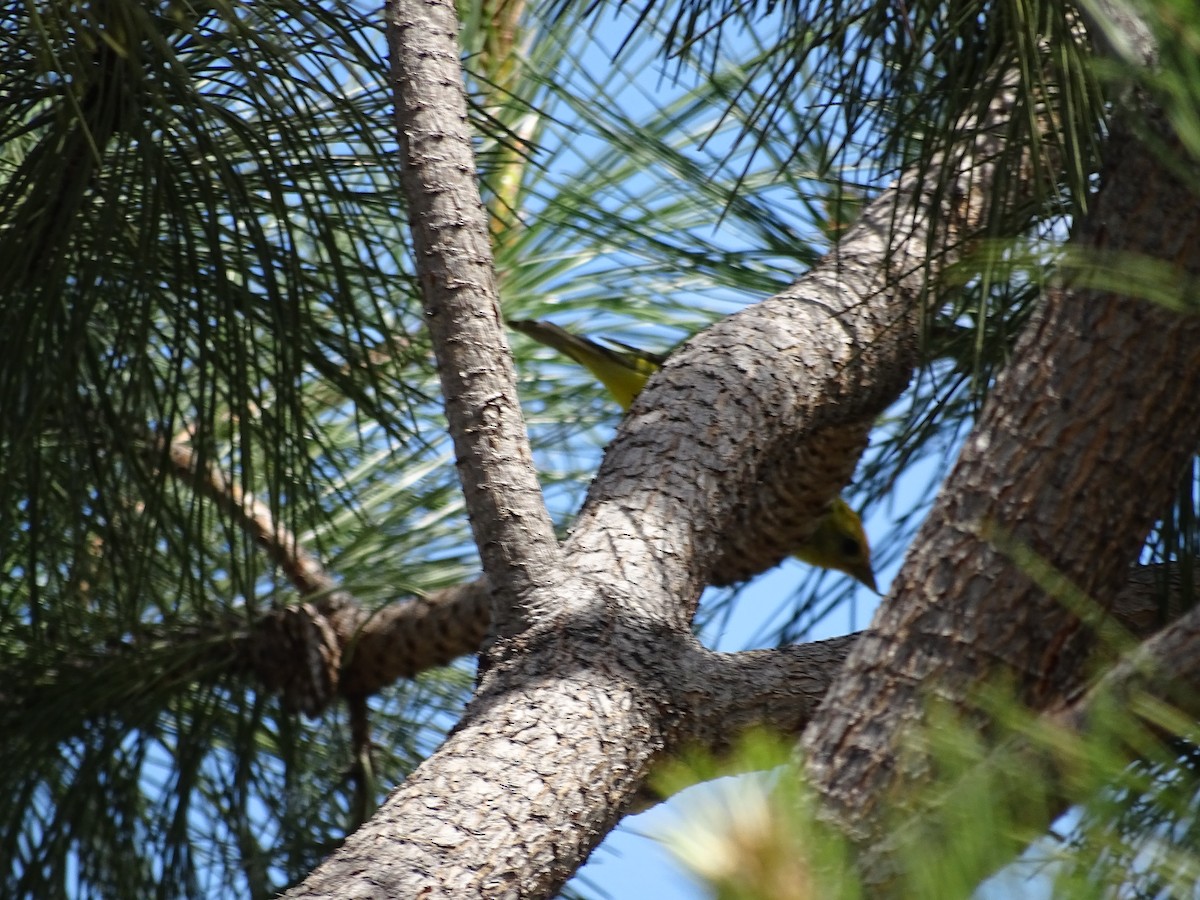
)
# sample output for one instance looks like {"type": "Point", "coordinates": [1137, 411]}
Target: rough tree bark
{"type": "Point", "coordinates": [1078, 450]}
{"type": "Point", "coordinates": [721, 467]}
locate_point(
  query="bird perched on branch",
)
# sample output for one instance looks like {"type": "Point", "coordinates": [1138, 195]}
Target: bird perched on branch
{"type": "Point", "coordinates": [838, 542]}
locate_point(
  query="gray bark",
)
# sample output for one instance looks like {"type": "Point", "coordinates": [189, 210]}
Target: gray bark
{"type": "Point", "coordinates": [1079, 448]}
{"type": "Point", "coordinates": [719, 470]}
{"type": "Point", "coordinates": [458, 286]}
{"type": "Point", "coordinates": [721, 467]}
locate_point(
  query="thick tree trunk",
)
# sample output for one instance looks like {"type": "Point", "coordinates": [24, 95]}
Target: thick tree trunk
{"type": "Point", "coordinates": [1078, 450]}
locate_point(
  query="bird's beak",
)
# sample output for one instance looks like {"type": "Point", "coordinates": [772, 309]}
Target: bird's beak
{"type": "Point", "coordinates": [866, 576]}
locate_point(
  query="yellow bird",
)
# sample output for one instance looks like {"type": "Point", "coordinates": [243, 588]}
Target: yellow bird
{"type": "Point", "coordinates": [839, 541]}
{"type": "Point", "coordinates": [620, 368]}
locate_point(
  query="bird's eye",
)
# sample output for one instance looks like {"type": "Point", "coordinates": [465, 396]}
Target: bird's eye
{"type": "Point", "coordinates": [850, 547]}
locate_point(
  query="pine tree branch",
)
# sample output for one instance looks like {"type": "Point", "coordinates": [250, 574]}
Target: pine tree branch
{"type": "Point", "coordinates": [1051, 498]}
{"type": "Point", "coordinates": [408, 637]}
{"type": "Point", "coordinates": [352, 651]}
{"type": "Point", "coordinates": [754, 425]}
{"type": "Point", "coordinates": [512, 528]}
{"type": "Point", "coordinates": [302, 568]}
{"type": "Point", "coordinates": [1155, 685]}
{"type": "Point", "coordinates": [314, 652]}
{"type": "Point", "coordinates": [1165, 668]}
{"type": "Point", "coordinates": [781, 689]}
